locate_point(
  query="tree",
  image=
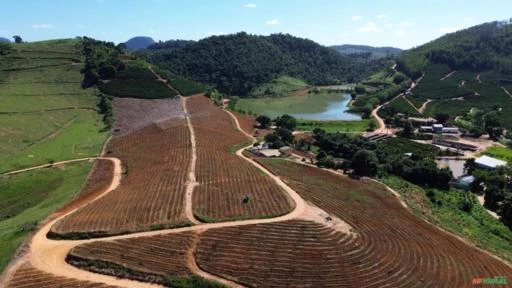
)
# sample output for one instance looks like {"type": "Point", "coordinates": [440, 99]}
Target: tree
{"type": "Point", "coordinates": [442, 117]}
{"type": "Point", "coordinates": [107, 72]}
{"type": "Point", "coordinates": [285, 135]}
{"type": "Point", "coordinates": [232, 102]}
{"type": "Point", "coordinates": [408, 130]}
{"type": "Point", "coordinates": [286, 121]}
{"type": "Point", "coordinates": [17, 39]}
{"type": "Point", "coordinates": [398, 79]}
{"type": "Point", "coordinates": [274, 141]}
{"type": "Point", "coordinates": [359, 90]}
{"type": "Point", "coordinates": [264, 121]}
{"type": "Point", "coordinates": [505, 211]}
{"type": "Point", "coordinates": [365, 163]}
{"type": "Point", "coordinates": [372, 125]}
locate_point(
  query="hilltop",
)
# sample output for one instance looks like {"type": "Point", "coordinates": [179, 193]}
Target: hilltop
{"type": "Point", "coordinates": [139, 42]}
{"type": "Point", "coordinates": [237, 63]}
{"type": "Point", "coordinates": [2, 39]}
{"type": "Point", "coordinates": [467, 75]}
{"type": "Point", "coordinates": [376, 52]}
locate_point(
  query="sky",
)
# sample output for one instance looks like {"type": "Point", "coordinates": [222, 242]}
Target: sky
{"type": "Point", "coordinates": [402, 24]}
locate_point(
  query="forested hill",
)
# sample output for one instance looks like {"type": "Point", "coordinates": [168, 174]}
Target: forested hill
{"type": "Point", "coordinates": [171, 44]}
{"type": "Point", "coordinates": [374, 51]}
{"type": "Point", "coordinates": [484, 47]}
{"type": "Point", "coordinates": [237, 63]}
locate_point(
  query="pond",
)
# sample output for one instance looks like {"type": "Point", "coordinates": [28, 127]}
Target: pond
{"type": "Point", "coordinates": [321, 106]}
{"type": "Point", "coordinates": [334, 111]}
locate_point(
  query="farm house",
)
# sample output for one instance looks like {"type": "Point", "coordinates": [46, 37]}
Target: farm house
{"type": "Point", "coordinates": [486, 162]}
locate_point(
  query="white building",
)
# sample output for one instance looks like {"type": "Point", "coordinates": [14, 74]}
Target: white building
{"type": "Point", "coordinates": [487, 162]}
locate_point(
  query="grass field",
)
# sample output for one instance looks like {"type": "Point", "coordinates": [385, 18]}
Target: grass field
{"type": "Point", "coordinates": [334, 126]}
{"type": "Point", "coordinates": [500, 153]}
{"type": "Point", "coordinates": [278, 87]}
{"type": "Point", "coordinates": [27, 198]}
{"type": "Point", "coordinates": [273, 107]}
{"type": "Point", "coordinates": [477, 226]}
{"type": "Point", "coordinates": [399, 105]}
{"type": "Point", "coordinates": [44, 113]}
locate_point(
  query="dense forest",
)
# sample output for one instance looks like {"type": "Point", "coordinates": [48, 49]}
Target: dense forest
{"type": "Point", "coordinates": [483, 47]}
{"type": "Point", "coordinates": [375, 52]}
{"type": "Point", "coordinates": [170, 44]}
{"type": "Point", "coordinates": [237, 63]}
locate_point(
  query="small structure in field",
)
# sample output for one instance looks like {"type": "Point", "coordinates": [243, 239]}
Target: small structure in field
{"type": "Point", "coordinates": [269, 153]}
{"type": "Point", "coordinates": [486, 162]}
{"type": "Point", "coordinates": [465, 182]}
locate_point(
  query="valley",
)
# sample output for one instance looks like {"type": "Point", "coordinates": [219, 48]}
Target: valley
{"type": "Point", "coordinates": [247, 160]}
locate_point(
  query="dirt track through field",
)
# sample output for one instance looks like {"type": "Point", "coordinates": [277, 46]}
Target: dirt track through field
{"type": "Point", "coordinates": [49, 255]}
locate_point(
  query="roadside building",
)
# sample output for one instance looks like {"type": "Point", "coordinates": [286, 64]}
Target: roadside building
{"type": "Point", "coordinates": [486, 162]}
{"type": "Point", "coordinates": [438, 128]}
{"type": "Point", "coordinates": [465, 182]}
{"type": "Point", "coordinates": [269, 153]}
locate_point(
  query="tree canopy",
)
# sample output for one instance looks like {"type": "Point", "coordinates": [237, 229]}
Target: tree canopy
{"type": "Point", "coordinates": [238, 63]}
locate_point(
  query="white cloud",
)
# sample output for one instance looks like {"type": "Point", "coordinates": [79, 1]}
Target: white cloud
{"type": "Point", "coordinates": [400, 32]}
{"type": "Point", "coordinates": [344, 34]}
{"type": "Point", "coordinates": [42, 26]}
{"type": "Point", "coordinates": [273, 22]}
{"type": "Point", "coordinates": [152, 31]}
{"type": "Point", "coordinates": [356, 18]}
{"type": "Point", "coordinates": [405, 23]}
{"type": "Point", "coordinates": [369, 27]}
{"type": "Point", "coordinates": [382, 16]}
{"type": "Point", "coordinates": [388, 25]}
{"type": "Point", "coordinates": [468, 19]}
{"type": "Point", "coordinates": [448, 29]}
{"type": "Point", "coordinates": [250, 5]}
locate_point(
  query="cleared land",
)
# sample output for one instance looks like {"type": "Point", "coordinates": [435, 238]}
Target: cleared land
{"type": "Point", "coordinates": [44, 113]}
{"type": "Point", "coordinates": [224, 179]}
{"type": "Point", "coordinates": [156, 161]}
{"type": "Point", "coordinates": [28, 277]}
{"type": "Point", "coordinates": [278, 87]}
{"type": "Point", "coordinates": [133, 114]}
{"type": "Point", "coordinates": [391, 246]}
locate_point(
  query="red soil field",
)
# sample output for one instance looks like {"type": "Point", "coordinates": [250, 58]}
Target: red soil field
{"type": "Point", "coordinates": [390, 248]}
{"type": "Point", "coordinates": [151, 194]}
{"type": "Point", "coordinates": [28, 277]}
{"type": "Point", "coordinates": [98, 180]}
{"type": "Point", "coordinates": [246, 122]}
{"type": "Point", "coordinates": [164, 255]}
{"type": "Point", "coordinates": [224, 178]}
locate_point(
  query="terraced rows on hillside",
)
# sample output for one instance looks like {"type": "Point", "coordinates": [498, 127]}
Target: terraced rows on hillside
{"type": "Point", "coordinates": [28, 277]}
{"type": "Point", "coordinates": [391, 246]}
{"type": "Point", "coordinates": [156, 160]}
{"type": "Point", "coordinates": [224, 179]}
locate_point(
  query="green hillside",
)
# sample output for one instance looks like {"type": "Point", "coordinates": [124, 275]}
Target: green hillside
{"type": "Point", "coordinates": [238, 63]}
{"type": "Point", "coordinates": [44, 113]}
{"type": "Point", "coordinates": [465, 71]}
{"type": "Point", "coordinates": [45, 116]}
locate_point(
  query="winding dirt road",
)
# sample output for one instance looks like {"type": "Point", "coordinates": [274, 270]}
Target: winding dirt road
{"type": "Point", "coordinates": [49, 255]}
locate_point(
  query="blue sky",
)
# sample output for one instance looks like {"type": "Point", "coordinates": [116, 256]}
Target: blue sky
{"type": "Point", "coordinates": [401, 24]}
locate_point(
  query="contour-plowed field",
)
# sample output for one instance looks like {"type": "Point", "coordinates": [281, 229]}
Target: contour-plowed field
{"type": "Point", "coordinates": [390, 248]}
{"type": "Point", "coordinates": [164, 255]}
{"type": "Point", "coordinates": [224, 179]}
{"type": "Point", "coordinates": [151, 195]}
{"type": "Point", "coordinates": [98, 180]}
{"type": "Point", "coordinates": [28, 277]}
